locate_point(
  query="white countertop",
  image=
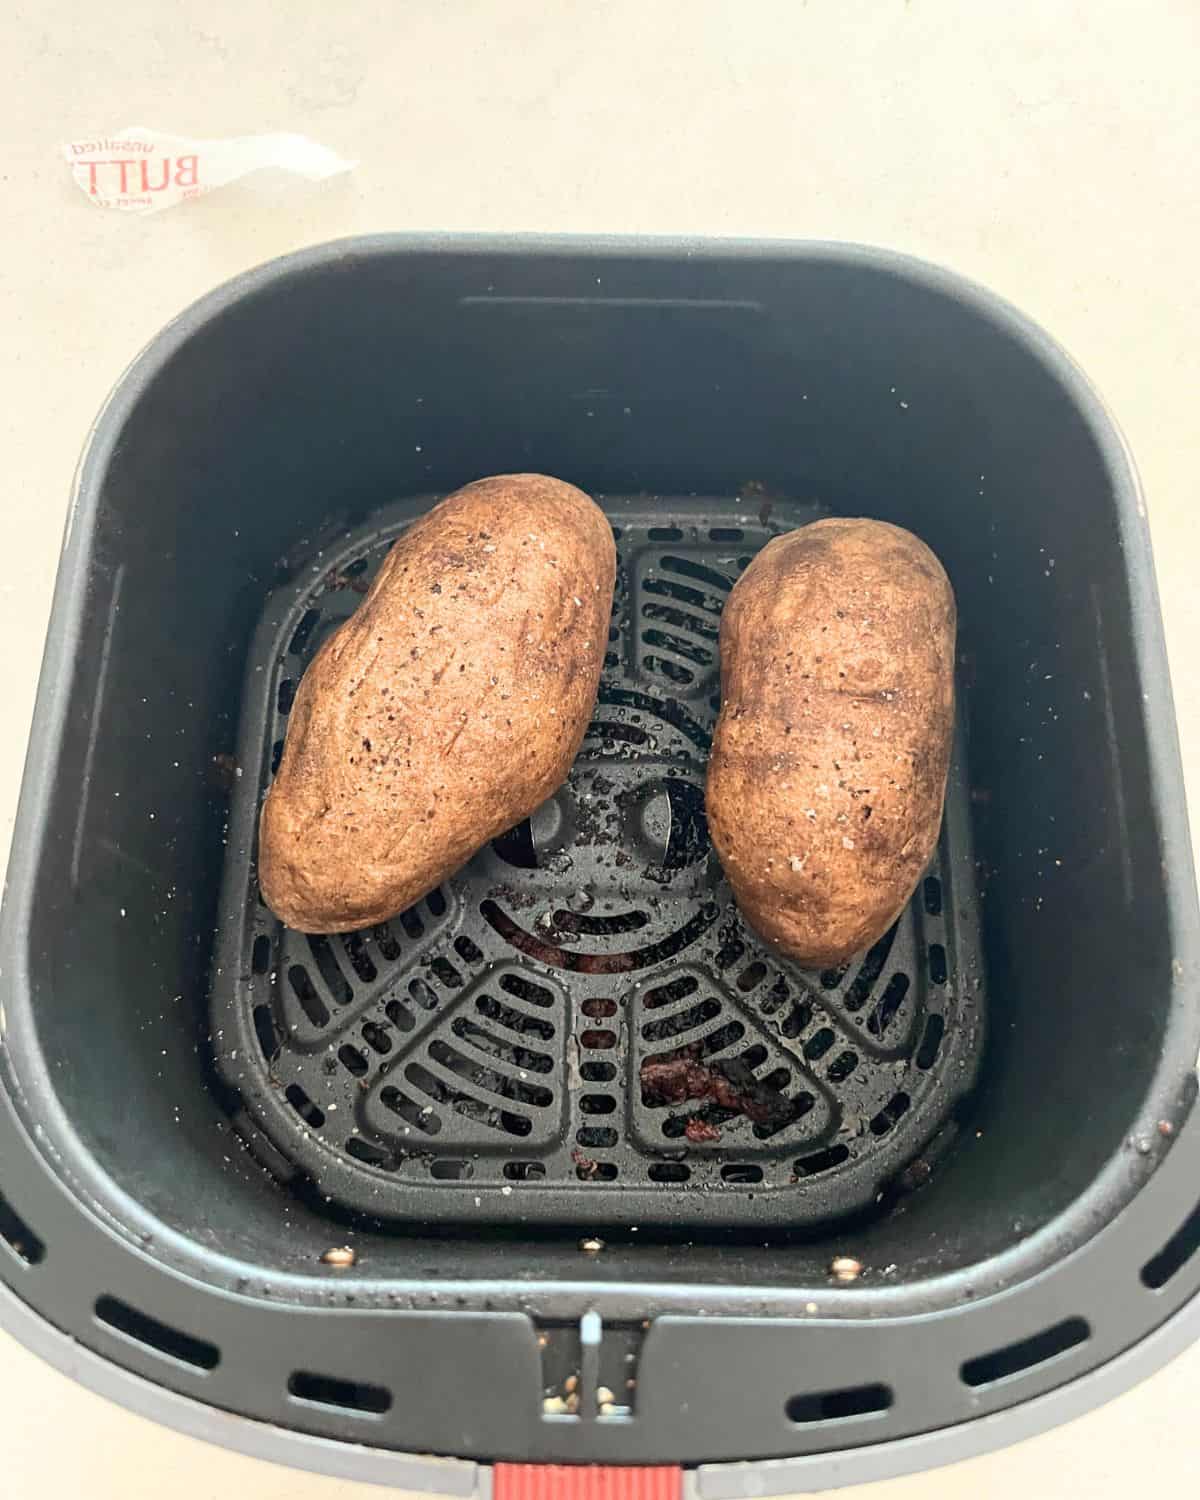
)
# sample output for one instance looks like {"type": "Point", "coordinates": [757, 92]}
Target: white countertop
{"type": "Point", "coordinates": [1046, 148]}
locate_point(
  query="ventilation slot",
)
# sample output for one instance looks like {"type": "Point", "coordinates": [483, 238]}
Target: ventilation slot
{"type": "Point", "coordinates": [839, 1406]}
{"type": "Point", "coordinates": [1015, 1359]}
{"type": "Point", "coordinates": [308, 623]}
{"type": "Point", "coordinates": [1179, 1249]}
{"type": "Point", "coordinates": [872, 968]}
{"type": "Point", "coordinates": [669, 1171]}
{"type": "Point", "coordinates": [264, 1029]}
{"type": "Point", "coordinates": [368, 1153]}
{"type": "Point", "coordinates": [821, 1161]}
{"type": "Point", "coordinates": [306, 992]}
{"type": "Point", "coordinates": [450, 1169]}
{"type": "Point", "coordinates": [344, 1395]}
{"type": "Point", "coordinates": [741, 1172]}
{"type": "Point", "coordinates": [260, 959]}
{"type": "Point", "coordinates": [935, 1029]}
{"type": "Point", "coordinates": [120, 1318]}
{"type": "Point", "coordinates": [18, 1236]}
{"type": "Point", "coordinates": [885, 1012]}
{"type": "Point", "coordinates": [933, 896]}
{"type": "Point", "coordinates": [304, 1106]}
{"type": "Point", "coordinates": [524, 1171]}
{"type": "Point", "coordinates": [896, 1106]}
{"type": "Point", "coordinates": [937, 964]}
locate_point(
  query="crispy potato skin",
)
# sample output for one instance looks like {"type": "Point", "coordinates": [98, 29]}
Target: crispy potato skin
{"type": "Point", "coordinates": [446, 709]}
{"type": "Point", "coordinates": [829, 761]}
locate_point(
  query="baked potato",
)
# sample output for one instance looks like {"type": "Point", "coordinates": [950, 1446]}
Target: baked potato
{"type": "Point", "coordinates": [446, 709]}
{"type": "Point", "coordinates": [829, 761]}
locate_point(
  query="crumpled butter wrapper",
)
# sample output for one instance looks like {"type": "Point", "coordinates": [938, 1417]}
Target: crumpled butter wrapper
{"type": "Point", "coordinates": [140, 171]}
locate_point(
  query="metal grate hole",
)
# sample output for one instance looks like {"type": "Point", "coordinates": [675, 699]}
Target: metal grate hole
{"type": "Point", "coordinates": [514, 1020]}
{"type": "Point", "coordinates": [276, 755]}
{"type": "Point", "coordinates": [755, 1056]}
{"type": "Point", "coordinates": [596, 1171]}
{"type": "Point", "coordinates": [376, 1037]}
{"type": "Point", "coordinates": [18, 1236]}
{"type": "Point", "coordinates": [368, 1153]}
{"type": "Point", "coordinates": [842, 1066]}
{"type": "Point", "coordinates": [515, 847]}
{"type": "Point", "coordinates": [286, 695]}
{"type": "Point", "coordinates": [853, 1401]}
{"type": "Point", "coordinates": [345, 1395]}
{"type": "Point", "coordinates": [819, 1043]}
{"type": "Point", "coordinates": [264, 1030]}
{"type": "Point", "coordinates": [360, 959]}
{"type": "Point", "coordinates": [308, 623]}
{"type": "Point", "coordinates": [681, 619]}
{"type": "Point", "coordinates": [327, 966]}
{"type": "Point", "coordinates": [885, 1012]}
{"type": "Point", "coordinates": [468, 951]}
{"type": "Point", "coordinates": [1178, 1250]}
{"type": "Point", "coordinates": [821, 1161]}
{"type": "Point", "coordinates": [688, 569]}
{"type": "Point", "coordinates": [451, 1169]}
{"type": "Point", "coordinates": [831, 978]}
{"type": "Point", "coordinates": [796, 1020]}
{"type": "Point", "coordinates": [774, 998]}
{"type": "Point", "coordinates": [751, 976]}
{"type": "Point", "coordinates": [419, 1116]}
{"type": "Point", "coordinates": [1015, 1359]}
{"type": "Point", "coordinates": [663, 666]}
{"type": "Point", "coordinates": [797, 1107]}
{"type": "Point", "coordinates": [931, 1041]}
{"type": "Point", "coordinates": [526, 989]}
{"type": "Point", "coordinates": [726, 534]}
{"type": "Point", "coordinates": [580, 924]}
{"type": "Point", "coordinates": [937, 964]}
{"type": "Point", "coordinates": [681, 1021]}
{"type": "Point", "coordinates": [597, 1104]}
{"type": "Point", "coordinates": [669, 1171]}
{"type": "Point", "coordinates": [597, 1072]}
{"type": "Point", "coordinates": [741, 1172]}
{"type": "Point", "coordinates": [666, 994]}
{"type": "Point", "coordinates": [872, 968]}
{"type": "Point", "coordinates": [445, 972]}
{"type": "Point", "coordinates": [599, 1010]}
{"type": "Point", "coordinates": [896, 1106]}
{"type": "Point", "coordinates": [306, 992]}
{"type": "Point", "coordinates": [386, 942]}
{"type": "Point", "coordinates": [595, 1136]}
{"type": "Point", "coordinates": [352, 1060]}
{"type": "Point", "coordinates": [133, 1324]}
{"type": "Point", "coordinates": [487, 1078]}
{"type": "Point", "coordinates": [304, 1106]}
{"type": "Point", "coordinates": [423, 994]}
{"type": "Point", "coordinates": [524, 1171]}
{"type": "Point", "coordinates": [598, 1041]}
{"type": "Point", "coordinates": [412, 924]}
{"type": "Point", "coordinates": [668, 588]}
{"type": "Point", "coordinates": [399, 1015]}
{"type": "Point", "coordinates": [260, 955]}
{"type": "Point", "coordinates": [493, 1046]}
{"type": "Point", "coordinates": [666, 640]}
{"type": "Point", "coordinates": [436, 902]}
{"type": "Point", "coordinates": [932, 892]}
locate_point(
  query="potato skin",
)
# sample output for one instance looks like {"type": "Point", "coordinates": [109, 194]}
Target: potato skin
{"type": "Point", "coordinates": [828, 768]}
{"type": "Point", "coordinates": [447, 708]}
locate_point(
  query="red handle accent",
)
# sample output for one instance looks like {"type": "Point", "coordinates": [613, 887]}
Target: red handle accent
{"type": "Point", "coordinates": [585, 1482]}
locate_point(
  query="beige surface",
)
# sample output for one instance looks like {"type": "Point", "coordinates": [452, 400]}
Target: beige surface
{"type": "Point", "coordinates": [1047, 149]}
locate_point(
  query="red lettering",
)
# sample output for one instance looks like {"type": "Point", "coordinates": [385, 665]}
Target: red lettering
{"type": "Point", "coordinates": [156, 187]}
{"type": "Point", "coordinates": [91, 166]}
{"type": "Point", "coordinates": [186, 164]}
{"type": "Point", "coordinates": [124, 174]}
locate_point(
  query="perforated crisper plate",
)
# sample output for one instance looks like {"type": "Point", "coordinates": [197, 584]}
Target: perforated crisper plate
{"type": "Point", "coordinates": [480, 1057]}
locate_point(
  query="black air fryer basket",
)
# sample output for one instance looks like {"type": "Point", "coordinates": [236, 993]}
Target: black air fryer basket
{"type": "Point", "coordinates": [408, 1190]}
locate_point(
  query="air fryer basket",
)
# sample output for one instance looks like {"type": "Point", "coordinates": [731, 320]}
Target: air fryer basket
{"type": "Point", "coordinates": [482, 1056]}
{"type": "Point", "coordinates": [198, 1105]}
